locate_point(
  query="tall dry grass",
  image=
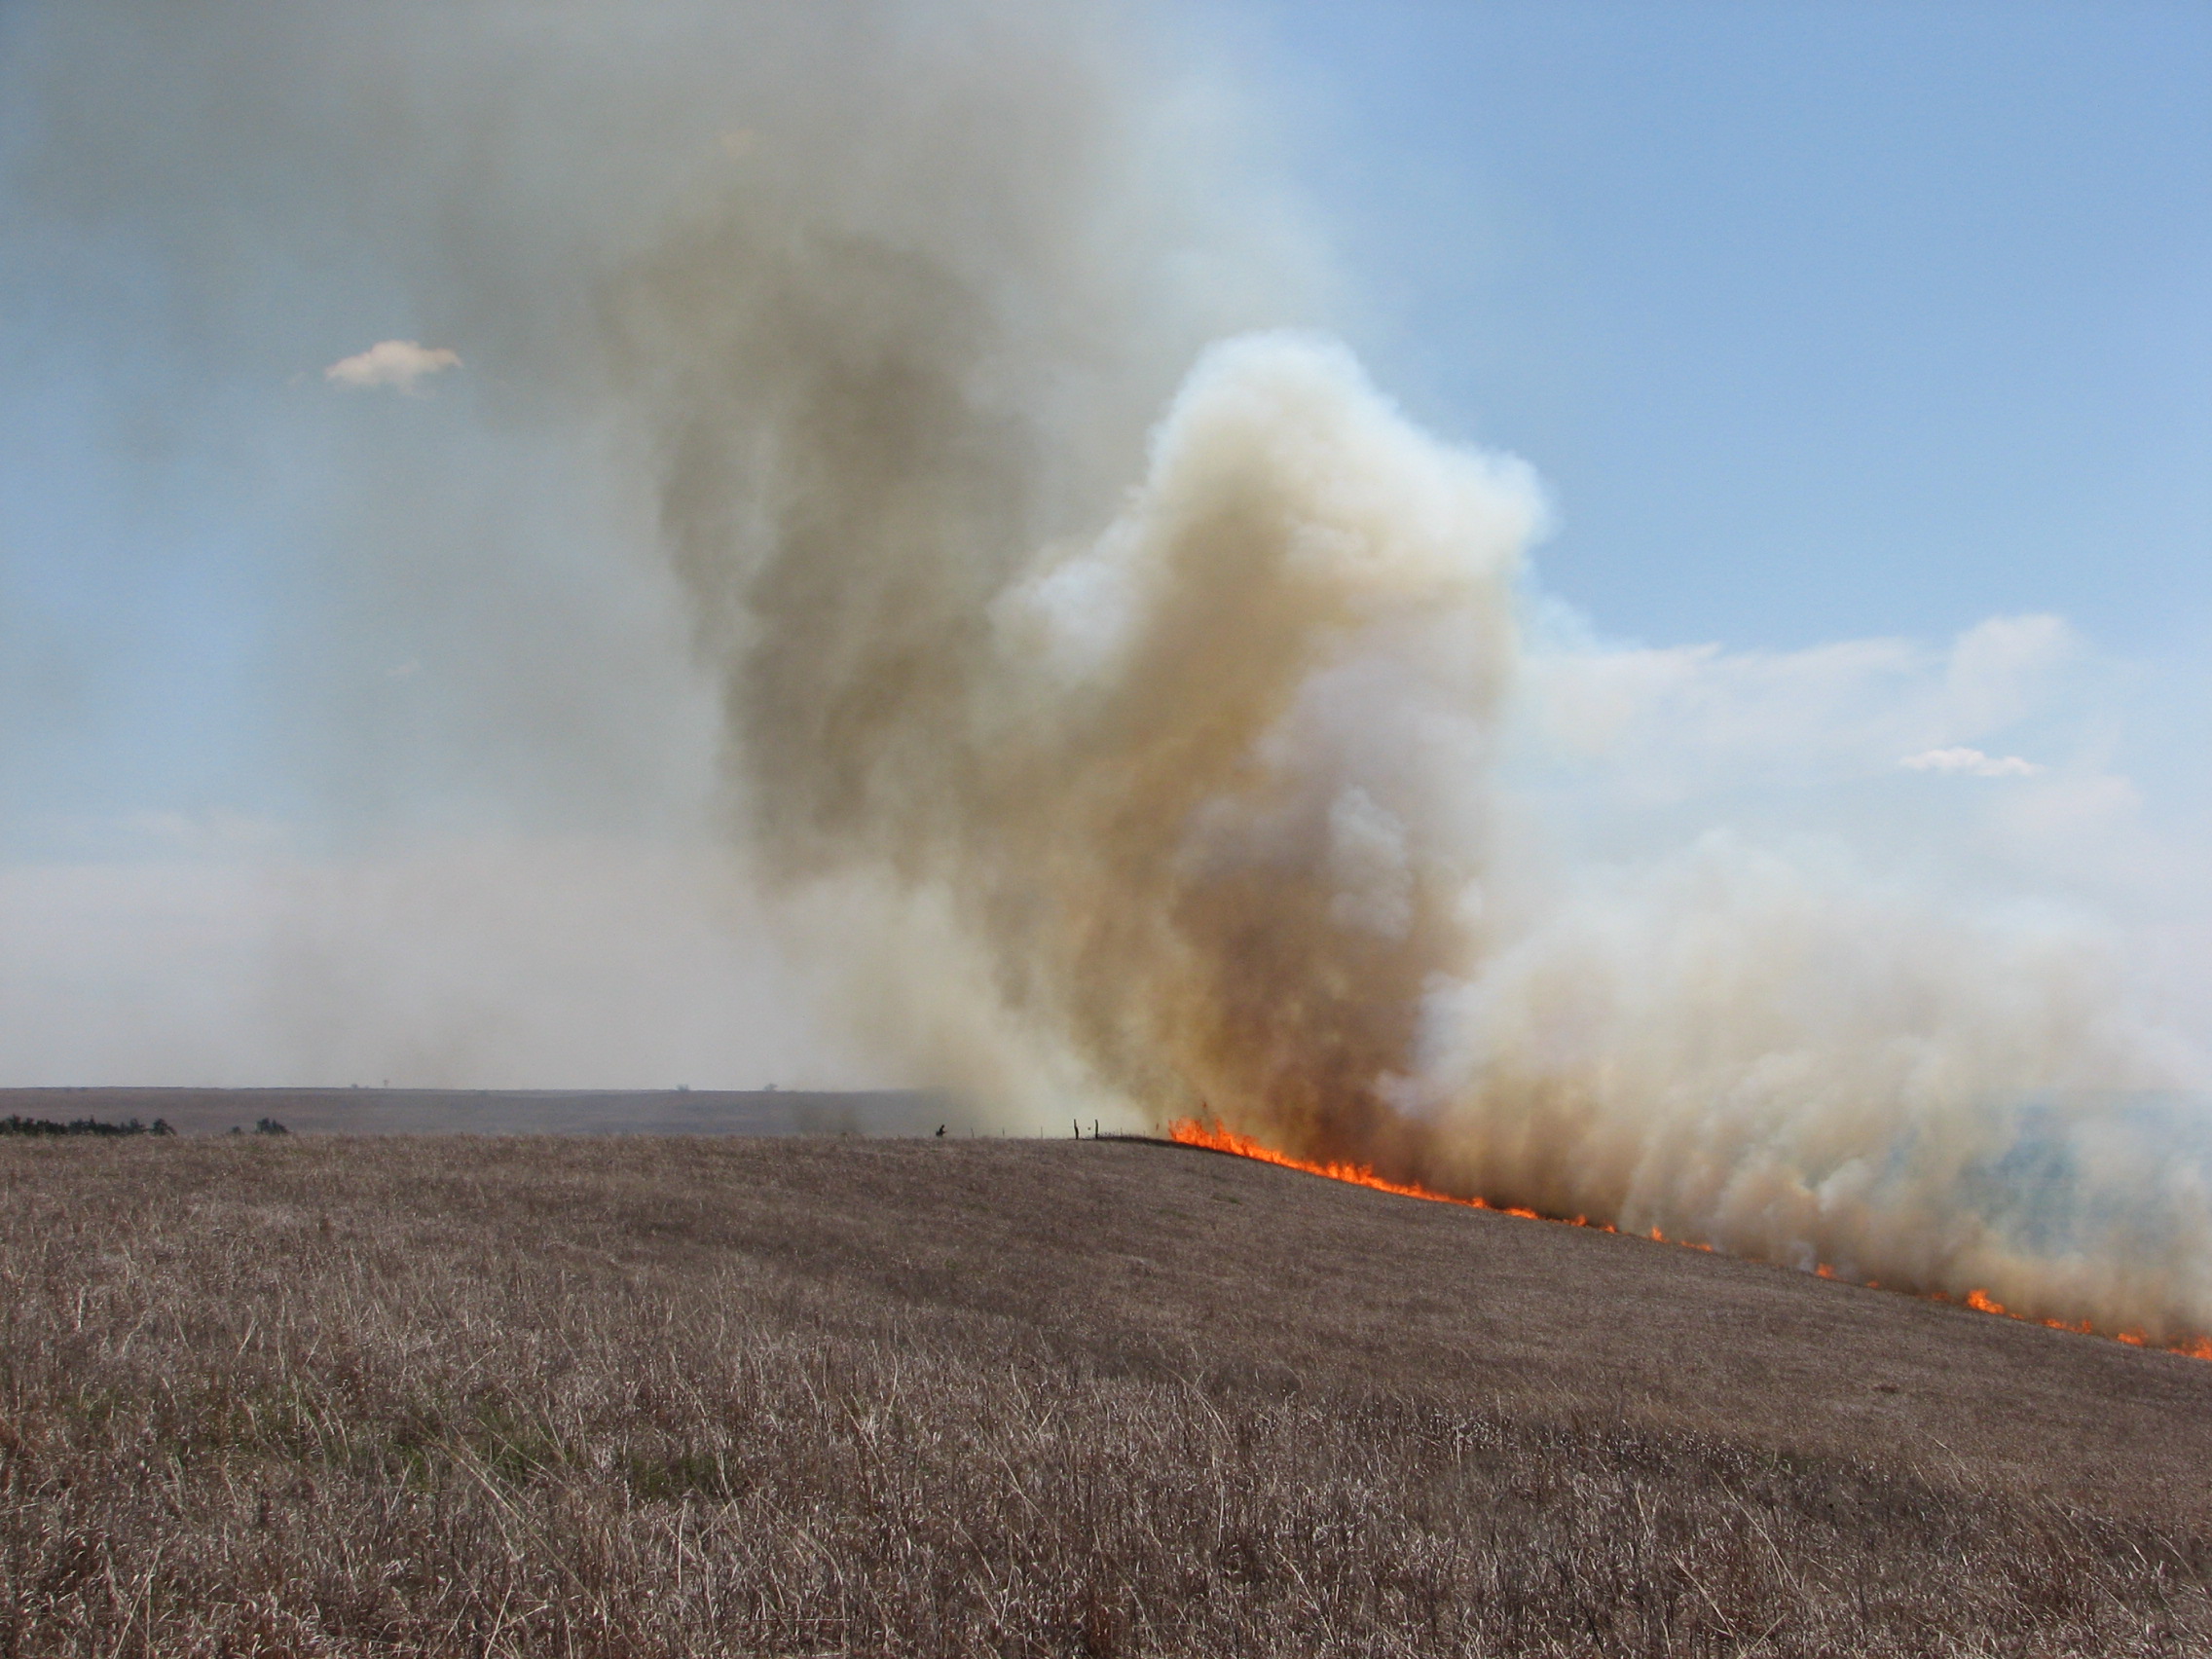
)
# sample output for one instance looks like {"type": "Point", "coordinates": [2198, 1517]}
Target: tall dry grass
{"type": "Point", "coordinates": [621, 1398]}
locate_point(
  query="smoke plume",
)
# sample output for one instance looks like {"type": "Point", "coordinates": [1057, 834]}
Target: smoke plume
{"type": "Point", "coordinates": [1141, 710]}
{"type": "Point", "coordinates": [1216, 792]}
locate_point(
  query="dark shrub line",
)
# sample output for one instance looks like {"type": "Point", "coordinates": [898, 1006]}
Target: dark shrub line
{"type": "Point", "coordinates": [18, 1126]}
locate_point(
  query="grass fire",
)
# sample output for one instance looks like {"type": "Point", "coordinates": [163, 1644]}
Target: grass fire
{"type": "Point", "coordinates": [1561, 634]}
{"type": "Point", "coordinates": [1215, 1137]}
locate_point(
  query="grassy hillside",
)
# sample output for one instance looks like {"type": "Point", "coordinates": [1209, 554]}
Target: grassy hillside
{"type": "Point", "coordinates": [639, 1397]}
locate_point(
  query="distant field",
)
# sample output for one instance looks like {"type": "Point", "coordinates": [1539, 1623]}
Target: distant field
{"type": "Point", "coordinates": [637, 1396]}
{"type": "Point", "coordinates": [505, 1111]}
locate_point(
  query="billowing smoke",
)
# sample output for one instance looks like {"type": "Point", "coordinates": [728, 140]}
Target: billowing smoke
{"type": "Point", "coordinates": [1216, 792]}
{"type": "Point", "coordinates": [1205, 790]}
{"type": "Point", "coordinates": [1140, 710]}
{"type": "Point", "coordinates": [1203, 796]}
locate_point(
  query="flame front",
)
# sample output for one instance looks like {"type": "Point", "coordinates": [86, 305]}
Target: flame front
{"type": "Point", "coordinates": [1219, 1137]}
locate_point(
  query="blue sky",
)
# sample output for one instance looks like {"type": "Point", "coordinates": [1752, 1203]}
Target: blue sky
{"type": "Point", "coordinates": [1820, 319]}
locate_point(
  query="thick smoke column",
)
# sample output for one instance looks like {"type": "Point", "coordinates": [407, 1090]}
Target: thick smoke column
{"type": "Point", "coordinates": [1110, 678]}
{"type": "Point", "coordinates": [1202, 784]}
{"type": "Point", "coordinates": [1205, 791]}
{"type": "Point", "coordinates": [1216, 792]}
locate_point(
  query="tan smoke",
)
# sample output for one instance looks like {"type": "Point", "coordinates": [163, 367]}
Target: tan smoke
{"type": "Point", "coordinates": [1193, 784]}
{"type": "Point", "coordinates": [1189, 800]}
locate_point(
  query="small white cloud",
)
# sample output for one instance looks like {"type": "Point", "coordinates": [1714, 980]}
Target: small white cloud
{"type": "Point", "coordinates": [1970, 762]}
{"type": "Point", "coordinates": [391, 362]}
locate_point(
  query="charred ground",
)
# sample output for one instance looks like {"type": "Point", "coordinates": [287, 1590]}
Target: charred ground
{"type": "Point", "coordinates": [631, 1396]}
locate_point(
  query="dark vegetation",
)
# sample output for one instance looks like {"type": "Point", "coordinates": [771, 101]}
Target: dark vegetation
{"type": "Point", "coordinates": [629, 1397]}
{"type": "Point", "coordinates": [15, 1124]}
{"type": "Point", "coordinates": [356, 1110]}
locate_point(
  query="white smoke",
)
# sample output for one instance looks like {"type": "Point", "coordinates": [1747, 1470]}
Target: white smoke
{"type": "Point", "coordinates": [1231, 818]}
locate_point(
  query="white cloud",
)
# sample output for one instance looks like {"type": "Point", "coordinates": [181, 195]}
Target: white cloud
{"type": "Point", "coordinates": [1999, 668]}
{"type": "Point", "coordinates": [1970, 762]}
{"type": "Point", "coordinates": [391, 362]}
{"type": "Point", "coordinates": [1674, 720]}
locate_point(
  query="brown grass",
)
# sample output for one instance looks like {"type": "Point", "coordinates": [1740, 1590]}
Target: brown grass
{"type": "Point", "coordinates": [811, 1397]}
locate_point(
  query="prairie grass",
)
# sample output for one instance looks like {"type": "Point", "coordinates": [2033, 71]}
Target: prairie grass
{"type": "Point", "coordinates": [631, 1398]}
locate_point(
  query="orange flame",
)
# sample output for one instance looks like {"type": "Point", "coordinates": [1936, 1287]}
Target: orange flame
{"type": "Point", "coordinates": [1219, 1137]}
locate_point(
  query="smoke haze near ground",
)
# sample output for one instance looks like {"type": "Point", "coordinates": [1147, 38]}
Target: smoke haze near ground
{"type": "Point", "coordinates": [882, 463]}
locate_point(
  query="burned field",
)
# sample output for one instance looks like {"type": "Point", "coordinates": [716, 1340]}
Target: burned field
{"type": "Point", "coordinates": [636, 1397]}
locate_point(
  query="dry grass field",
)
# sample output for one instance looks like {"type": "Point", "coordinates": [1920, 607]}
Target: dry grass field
{"type": "Point", "coordinates": [641, 1397]}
